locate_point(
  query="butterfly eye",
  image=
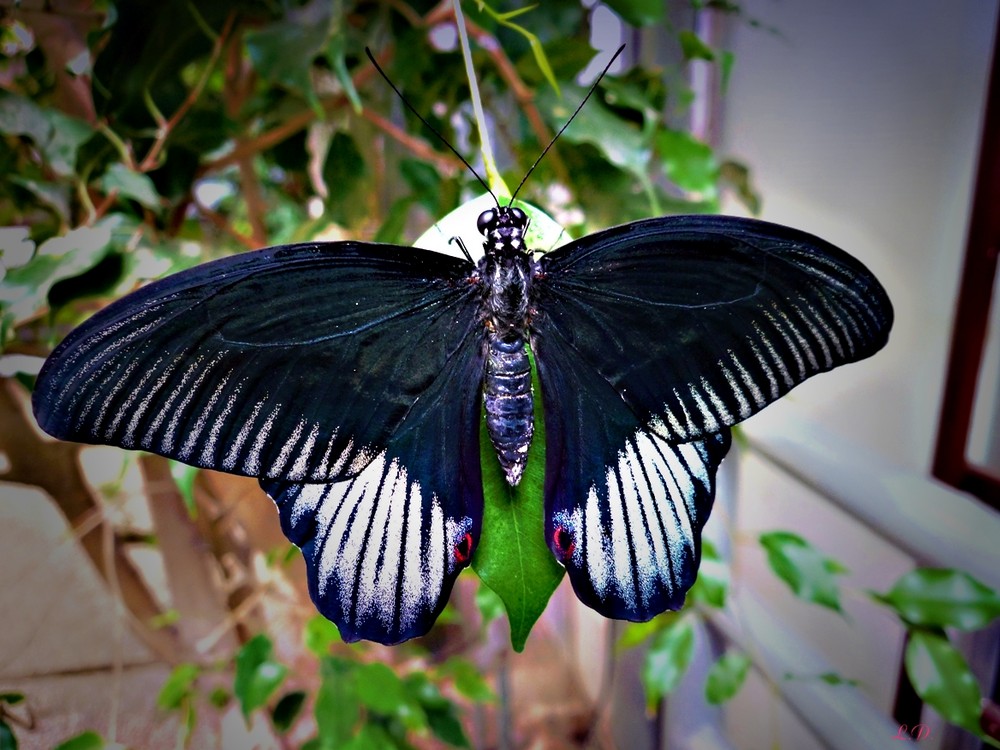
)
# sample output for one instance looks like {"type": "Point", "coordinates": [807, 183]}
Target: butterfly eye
{"type": "Point", "coordinates": [486, 220]}
{"type": "Point", "coordinates": [564, 544]}
{"type": "Point", "coordinates": [463, 550]}
{"type": "Point", "coordinates": [520, 218]}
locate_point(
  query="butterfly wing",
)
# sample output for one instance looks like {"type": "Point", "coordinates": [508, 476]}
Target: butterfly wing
{"type": "Point", "coordinates": [295, 363]}
{"type": "Point", "coordinates": [624, 508]}
{"type": "Point", "coordinates": [384, 547]}
{"type": "Point", "coordinates": [700, 321]}
{"type": "Point", "coordinates": [651, 340]}
{"type": "Point", "coordinates": [352, 368]}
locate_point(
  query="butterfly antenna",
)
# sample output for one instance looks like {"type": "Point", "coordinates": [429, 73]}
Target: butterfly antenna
{"type": "Point", "coordinates": [566, 125]}
{"type": "Point", "coordinates": [429, 126]}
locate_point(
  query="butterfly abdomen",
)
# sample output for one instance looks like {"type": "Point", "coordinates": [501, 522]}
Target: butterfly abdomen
{"type": "Point", "coordinates": [509, 406]}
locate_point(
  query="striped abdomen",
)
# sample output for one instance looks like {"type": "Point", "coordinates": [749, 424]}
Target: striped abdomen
{"type": "Point", "coordinates": [509, 407]}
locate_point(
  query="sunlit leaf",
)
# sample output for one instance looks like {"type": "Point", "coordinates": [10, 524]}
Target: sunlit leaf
{"type": "Point", "coordinates": [257, 674]}
{"type": "Point", "coordinates": [381, 690]}
{"type": "Point", "coordinates": [808, 573]}
{"type": "Point", "coordinates": [941, 677]}
{"type": "Point", "coordinates": [667, 660]}
{"type": "Point", "coordinates": [939, 597]}
{"type": "Point", "coordinates": [635, 633]}
{"type": "Point", "coordinates": [726, 677]}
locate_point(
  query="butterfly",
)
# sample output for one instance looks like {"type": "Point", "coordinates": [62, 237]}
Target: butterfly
{"type": "Point", "coordinates": [350, 378]}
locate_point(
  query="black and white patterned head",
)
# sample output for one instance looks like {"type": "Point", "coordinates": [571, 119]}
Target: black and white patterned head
{"type": "Point", "coordinates": [504, 228]}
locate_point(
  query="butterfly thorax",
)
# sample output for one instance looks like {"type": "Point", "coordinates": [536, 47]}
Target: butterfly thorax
{"type": "Point", "coordinates": [506, 272]}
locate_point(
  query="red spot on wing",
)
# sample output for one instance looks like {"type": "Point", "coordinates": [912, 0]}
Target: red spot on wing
{"type": "Point", "coordinates": [463, 550]}
{"type": "Point", "coordinates": [563, 542]}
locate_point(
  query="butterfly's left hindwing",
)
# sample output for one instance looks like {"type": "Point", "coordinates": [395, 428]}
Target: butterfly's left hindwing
{"type": "Point", "coordinates": [383, 549]}
{"type": "Point", "coordinates": [624, 508]}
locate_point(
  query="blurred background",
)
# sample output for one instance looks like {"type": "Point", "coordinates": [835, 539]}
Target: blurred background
{"type": "Point", "coordinates": [848, 595]}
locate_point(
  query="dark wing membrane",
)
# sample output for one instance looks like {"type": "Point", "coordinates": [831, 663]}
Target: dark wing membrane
{"type": "Point", "coordinates": [700, 321]}
{"type": "Point", "coordinates": [383, 548]}
{"type": "Point", "coordinates": [624, 508]}
{"type": "Point", "coordinates": [292, 363]}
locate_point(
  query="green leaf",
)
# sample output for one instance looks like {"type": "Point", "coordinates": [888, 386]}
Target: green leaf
{"type": "Point", "coordinates": [803, 568]}
{"type": "Point", "coordinates": [284, 51]}
{"type": "Point", "coordinates": [185, 476]}
{"type": "Point", "coordinates": [941, 597]}
{"type": "Point", "coordinates": [693, 48]}
{"type": "Point", "coordinates": [370, 737]}
{"type": "Point", "coordinates": [319, 634]}
{"type": "Point", "coordinates": [57, 136]}
{"type": "Point", "coordinates": [490, 605]}
{"type": "Point", "coordinates": [257, 674]}
{"type": "Point", "coordinates": [942, 678]}
{"type": "Point", "coordinates": [85, 741]}
{"type": "Point", "coordinates": [442, 714]}
{"type": "Point", "coordinates": [688, 163]}
{"type": "Point", "coordinates": [512, 557]}
{"type": "Point", "coordinates": [381, 690]}
{"type": "Point", "coordinates": [130, 184]}
{"type": "Point", "coordinates": [287, 710]}
{"type": "Point", "coordinates": [712, 583]}
{"type": "Point", "coordinates": [726, 676]}
{"type": "Point", "coordinates": [830, 678]}
{"type": "Point", "coordinates": [178, 687]}
{"type": "Point", "coordinates": [337, 708]}
{"type": "Point", "coordinates": [7, 739]}
{"type": "Point", "coordinates": [11, 699]}
{"type": "Point", "coordinates": [619, 141]}
{"type": "Point", "coordinates": [737, 176]}
{"type": "Point", "coordinates": [667, 660]}
{"type": "Point", "coordinates": [25, 289]}
{"type": "Point", "coordinates": [468, 680]}
{"type": "Point", "coordinates": [635, 633]}
{"type": "Point", "coordinates": [638, 12]}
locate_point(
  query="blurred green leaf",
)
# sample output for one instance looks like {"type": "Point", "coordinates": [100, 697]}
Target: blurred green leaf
{"type": "Point", "coordinates": [179, 686]}
{"type": "Point", "coordinates": [130, 184]}
{"type": "Point", "coordinates": [737, 176]}
{"type": "Point", "coordinates": [635, 633]}
{"type": "Point", "coordinates": [490, 605]}
{"type": "Point", "coordinates": [726, 677]}
{"type": "Point", "coordinates": [337, 708]}
{"type": "Point", "coordinates": [809, 574]}
{"type": "Point", "coordinates": [57, 136]}
{"type": "Point", "coordinates": [319, 634]}
{"type": "Point", "coordinates": [370, 737]}
{"type": "Point", "coordinates": [12, 698]}
{"type": "Point", "coordinates": [830, 678]}
{"type": "Point", "coordinates": [25, 289]}
{"type": "Point", "coordinates": [89, 740]}
{"type": "Point", "coordinates": [185, 477]}
{"type": "Point", "coordinates": [638, 12]}
{"type": "Point", "coordinates": [381, 690]}
{"type": "Point", "coordinates": [688, 163]}
{"type": "Point", "coordinates": [941, 597]}
{"type": "Point", "coordinates": [712, 584]}
{"type": "Point", "coordinates": [468, 680]}
{"type": "Point", "coordinates": [257, 674]}
{"type": "Point", "coordinates": [693, 47]}
{"type": "Point", "coordinates": [667, 660]}
{"type": "Point", "coordinates": [287, 710]}
{"type": "Point", "coordinates": [284, 51]}
{"type": "Point", "coordinates": [442, 714]}
{"type": "Point", "coordinates": [942, 678]}
{"type": "Point", "coordinates": [7, 739]}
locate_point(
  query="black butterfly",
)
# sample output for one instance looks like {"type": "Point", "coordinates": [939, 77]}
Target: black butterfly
{"type": "Point", "coordinates": [351, 377]}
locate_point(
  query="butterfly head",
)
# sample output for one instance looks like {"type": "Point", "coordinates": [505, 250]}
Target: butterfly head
{"type": "Point", "coordinates": [504, 228]}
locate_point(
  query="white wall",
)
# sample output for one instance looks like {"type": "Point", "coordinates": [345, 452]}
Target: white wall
{"type": "Point", "coordinates": [861, 121]}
